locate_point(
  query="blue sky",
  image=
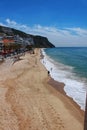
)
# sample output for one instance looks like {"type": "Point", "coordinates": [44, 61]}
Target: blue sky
{"type": "Point", "coordinates": [64, 22]}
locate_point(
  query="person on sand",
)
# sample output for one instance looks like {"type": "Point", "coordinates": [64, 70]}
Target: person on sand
{"type": "Point", "coordinates": [48, 73]}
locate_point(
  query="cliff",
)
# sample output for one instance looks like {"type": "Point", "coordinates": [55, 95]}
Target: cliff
{"type": "Point", "coordinates": [38, 41]}
{"type": "Point", "coordinates": [41, 42]}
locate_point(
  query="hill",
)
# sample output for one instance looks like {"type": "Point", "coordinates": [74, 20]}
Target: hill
{"type": "Point", "coordinates": [36, 41]}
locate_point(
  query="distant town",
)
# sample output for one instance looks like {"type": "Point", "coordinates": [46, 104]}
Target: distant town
{"type": "Point", "coordinates": [14, 44]}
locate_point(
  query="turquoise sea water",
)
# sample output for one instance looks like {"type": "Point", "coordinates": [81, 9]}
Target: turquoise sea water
{"type": "Point", "coordinates": [69, 65]}
{"type": "Point", "coordinates": [75, 57]}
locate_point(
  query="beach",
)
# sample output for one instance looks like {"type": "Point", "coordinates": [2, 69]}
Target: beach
{"type": "Point", "coordinates": [32, 100]}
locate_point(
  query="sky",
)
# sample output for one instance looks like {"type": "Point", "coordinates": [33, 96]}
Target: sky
{"type": "Point", "coordinates": [63, 22]}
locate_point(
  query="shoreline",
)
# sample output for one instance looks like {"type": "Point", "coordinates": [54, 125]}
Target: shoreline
{"type": "Point", "coordinates": [29, 99]}
{"type": "Point", "coordinates": [60, 75]}
{"type": "Point", "coordinates": [59, 86]}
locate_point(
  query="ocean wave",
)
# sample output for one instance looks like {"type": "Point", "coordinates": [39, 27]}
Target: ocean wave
{"type": "Point", "coordinates": [75, 86]}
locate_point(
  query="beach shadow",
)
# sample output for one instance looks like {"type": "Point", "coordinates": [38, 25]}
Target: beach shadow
{"type": "Point", "coordinates": [1, 61]}
{"type": "Point", "coordinates": [16, 60]}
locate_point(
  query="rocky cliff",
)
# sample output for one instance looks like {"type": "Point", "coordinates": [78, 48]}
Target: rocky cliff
{"type": "Point", "coordinates": [42, 42]}
{"type": "Point", "coordinates": [38, 41]}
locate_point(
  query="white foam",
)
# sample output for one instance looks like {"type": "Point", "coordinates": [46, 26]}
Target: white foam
{"type": "Point", "coordinates": [74, 86]}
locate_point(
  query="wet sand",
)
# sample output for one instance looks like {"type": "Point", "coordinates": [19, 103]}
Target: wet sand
{"type": "Point", "coordinates": [31, 100]}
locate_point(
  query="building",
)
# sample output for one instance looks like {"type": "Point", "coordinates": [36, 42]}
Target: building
{"type": "Point", "coordinates": [8, 39]}
{"type": "Point", "coordinates": [1, 48]}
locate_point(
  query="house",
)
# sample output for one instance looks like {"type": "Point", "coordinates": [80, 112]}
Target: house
{"type": "Point", "coordinates": [1, 48]}
{"type": "Point", "coordinates": [8, 39]}
{"type": "Point", "coordinates": [1, 43]}
{"type": "Point", "coordinates": [5, 41]}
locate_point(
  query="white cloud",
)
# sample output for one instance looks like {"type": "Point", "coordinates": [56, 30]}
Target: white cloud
{"type": "Point", "coordinates": [78, 31]}
{"type": "Point", "coordinates": [57, 36]}
{"type": "Point", "coordinates": [2, 24]}
{"type": "Point", "coordinates": [9, 22]}
{"type": "Point", "coordinates": [13, 24]}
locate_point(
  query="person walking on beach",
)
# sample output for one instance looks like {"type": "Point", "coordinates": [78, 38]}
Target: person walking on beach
{"type": "Point", "coordinates": [48, 73]}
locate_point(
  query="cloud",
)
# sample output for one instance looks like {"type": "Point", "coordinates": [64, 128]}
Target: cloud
{"type": "Point", "coordinates": [57, 36]}
{"type": "Point", "coordinates": [78, 31]}
{"type": "Point", "coordinates": [9, 22]}
{"type": "Point", "coordinates": [63, 37]}
{"type": "Point", "coordinates": [13, 24]}
{"type": "Point", "coordinates": [2, 24]}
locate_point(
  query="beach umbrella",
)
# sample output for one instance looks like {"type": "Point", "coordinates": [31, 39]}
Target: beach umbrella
{"type": "Point", "coordinates": [85, 119]}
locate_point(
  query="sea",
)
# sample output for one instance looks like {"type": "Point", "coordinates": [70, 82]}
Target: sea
{"type": "Point", "coordinates": [69, 65]}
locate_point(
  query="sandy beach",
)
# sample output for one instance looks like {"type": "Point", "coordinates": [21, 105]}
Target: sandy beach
{"type": "Point", "coordinates": [31, 100]}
